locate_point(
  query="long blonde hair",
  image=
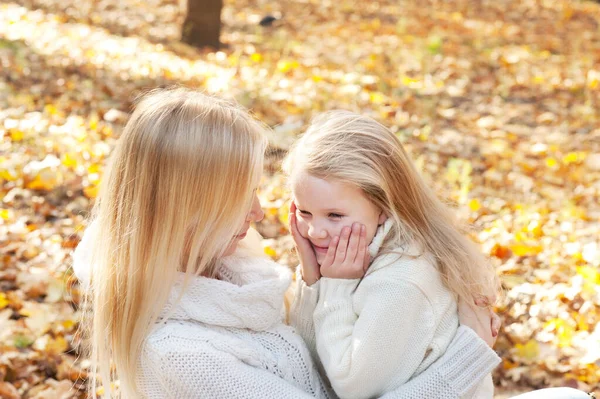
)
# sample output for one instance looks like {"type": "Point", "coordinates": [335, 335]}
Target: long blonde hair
{"type": "Point", "coordinates": [177, 190]}
{"type": "Point", "coordinates": [355, 149]}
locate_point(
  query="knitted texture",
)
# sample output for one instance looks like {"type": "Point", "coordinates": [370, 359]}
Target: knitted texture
{"type": "Point", "coordinates": [375, 334]}
{"type": "Point", "coordinates": [225, 338]}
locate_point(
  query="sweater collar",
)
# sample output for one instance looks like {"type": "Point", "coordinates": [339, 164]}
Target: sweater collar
{"type": "Point", "coordinates": [380, 235]}
{"type": "Point", "coordinates": [248, 293]}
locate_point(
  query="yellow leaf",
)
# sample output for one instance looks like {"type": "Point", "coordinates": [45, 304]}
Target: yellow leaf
{"type": "Point", "coordinates": [68, 324]}
{"type": "Point", "coordinates": [91, 191]}
{"type": "Point", "coordinates": [376, 98]}
{"type": "Point", "coordinates": [45, 181]}
{"type": "Point", "coordinates": [582, 324]}
{"type": "Point", "coordinates": [591, 278]}
{"type": "Point", "coordinates": [535, 228]}
{"type": "Point", "coordinates": [8, 175]}
{"type": "Point", "coordinates": [551, 163]}
{"type": "Point", "coordinates": [51, 109]}
{"type": "Point", "coordinates": [5, 214]}
{"type": "Point", "coordinates": [407, 81]}
{"type": "Point", "coordinates": [284, 216]}
{"type": "Point", "coordinates": [317, 78]}
{"type": "Point", "coordinates": [530, 350]}
{"type": "Point", "coordinates": [456, 16]}
{"type": "Point", "coordinates": [573, 157]}
{"type": "Point", "coordinates": [564, 331]}
{"type": "Point", "coordinates": [474, 205]}
{"type": "Point", "coordinates": [57, 346]}
{"type": "Point", "coordinates": [69, 161]}
{"type": "Point", "coordinates": [3, 301]}
{"type": "Point", "coordinates": [94, 123]}
{"type": "Point", "coordinates": [538, 79]}
{"type": "Point", "coordinates": [521, 249]}
{"type": "Point", "coordinates": [16, 135]}
{"type": "Point", "coordinates": [285, 66]}
{"type": "Point", "coordinates": [270, 251]}
{"type": "Point", "coordinates": [256, 57]}
{"type": "Point", "coordinates": [93, 168]}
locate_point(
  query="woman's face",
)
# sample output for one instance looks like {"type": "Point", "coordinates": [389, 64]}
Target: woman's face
{"type": "Point", "coordinates": [255, 215]}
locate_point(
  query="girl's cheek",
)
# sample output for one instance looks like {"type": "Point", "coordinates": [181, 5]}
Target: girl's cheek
{"type": "Point", "coordinates": [302, 226]}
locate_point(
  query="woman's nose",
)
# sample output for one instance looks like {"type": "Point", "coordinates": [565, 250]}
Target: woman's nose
{"type": "Point", "coordinates": [256, 213]}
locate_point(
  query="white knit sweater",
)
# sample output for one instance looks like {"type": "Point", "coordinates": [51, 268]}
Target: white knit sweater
{"type": "Point", "coordinates": [226, 338]}
{"type": "Point", "coordinates": [374, 335]}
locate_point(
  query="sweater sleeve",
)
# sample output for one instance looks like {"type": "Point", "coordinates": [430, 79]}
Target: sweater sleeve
{"type": "Point", "coordinates": [366, 347]}
{"type": "Point", "coordinates": [466, 362]}
{"type": "Point", "coordinates": [302, 310]}
{"type": "Point", "coordinates": [209, 373]}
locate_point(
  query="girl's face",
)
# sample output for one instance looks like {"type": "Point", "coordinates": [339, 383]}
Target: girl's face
{"type": "Point", "coordinates": [255, 215]}
{"type": "Point", "coordinates": [324, 207]}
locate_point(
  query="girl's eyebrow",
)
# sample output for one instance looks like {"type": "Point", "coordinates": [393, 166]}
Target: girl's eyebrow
{"type": "Point", "coordinates": [333, 210]}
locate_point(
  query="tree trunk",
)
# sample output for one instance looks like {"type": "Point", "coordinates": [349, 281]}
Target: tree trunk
{"type": "Point", "coordinates": [202, 25]}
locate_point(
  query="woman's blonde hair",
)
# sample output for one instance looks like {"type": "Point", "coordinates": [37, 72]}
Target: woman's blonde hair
{"type": "Point", "coordinates": [177, 190]}
{"type": "Point", "coordinates": [355, 149]}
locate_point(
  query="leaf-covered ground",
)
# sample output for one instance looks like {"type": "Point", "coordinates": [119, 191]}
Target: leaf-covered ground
{"type": "Point", "coordinates": [496, 100]}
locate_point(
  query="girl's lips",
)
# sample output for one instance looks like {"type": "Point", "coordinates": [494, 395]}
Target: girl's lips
{"type": "Point", "coordinates": [320, 249]}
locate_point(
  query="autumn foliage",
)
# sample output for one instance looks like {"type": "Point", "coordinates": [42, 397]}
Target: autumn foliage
{"type": "Point", "coordinates": [497, 101]}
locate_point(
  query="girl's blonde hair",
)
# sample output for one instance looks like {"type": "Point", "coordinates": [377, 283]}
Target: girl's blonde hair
{"type": "Point", "coordinates": [177, 190]}
{"type": "Point", "coordinates": [355, 149]}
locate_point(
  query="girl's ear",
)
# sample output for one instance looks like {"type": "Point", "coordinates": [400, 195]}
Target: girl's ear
{"type": "Point", "coordinates": [382, 217]}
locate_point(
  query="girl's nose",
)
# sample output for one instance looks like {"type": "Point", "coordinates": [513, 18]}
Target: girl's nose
{"type": "Point", "coordinates": [316, 231]}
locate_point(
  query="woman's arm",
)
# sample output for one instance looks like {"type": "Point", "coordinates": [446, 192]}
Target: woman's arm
{"type": "Point", "coordinates": [209, 373]}
{"type": "Point", "coordinates": [465, 363]}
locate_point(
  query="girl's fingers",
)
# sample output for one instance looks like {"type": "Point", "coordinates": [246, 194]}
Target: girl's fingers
{"type": "Point", "coordinates": [363, 253]}
{"type": "Point", "coordinates": [340, 253]}
{"type": "Point", "coordinates": [352, 251]}
{"type": "Point", "coordinates": [330, 256]}
{"type": "Point", "coordinates": [293, 227]}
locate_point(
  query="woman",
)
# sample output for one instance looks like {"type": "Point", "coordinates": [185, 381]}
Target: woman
{"type": "Point", "coordinates": [178, 308]}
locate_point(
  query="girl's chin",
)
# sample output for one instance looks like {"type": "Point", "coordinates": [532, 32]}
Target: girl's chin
{"type": "Point", "coordinates": [320, 258]}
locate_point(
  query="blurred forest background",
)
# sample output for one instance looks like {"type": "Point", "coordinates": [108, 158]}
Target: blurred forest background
{"type": "Point", "coordinates": [496, 100]}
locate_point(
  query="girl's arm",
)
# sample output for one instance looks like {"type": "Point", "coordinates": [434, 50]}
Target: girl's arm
{"type": "Point", "coordinates": [307, 287]}
{"type": "Point", "coordinates": [465, 363]}
{"type": "Point", "coordinates": [302, 310]}
{"type": "Point", "coordinates": [367, 347]}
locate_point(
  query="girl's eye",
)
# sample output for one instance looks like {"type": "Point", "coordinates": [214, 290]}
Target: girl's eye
{"type": "Point", "coordinates": [304, 213]}
{"type": "Point", "coordinates": [335, 216]}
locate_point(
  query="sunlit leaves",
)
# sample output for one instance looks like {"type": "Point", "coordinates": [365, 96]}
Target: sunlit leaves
{"type": "Point", "coordinates": [501, 116]}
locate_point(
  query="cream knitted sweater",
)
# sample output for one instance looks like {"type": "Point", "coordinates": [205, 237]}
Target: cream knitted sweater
{"type": "Point", "coordinates": [374, 336]}
{"type": "Point", "coordinates": [226, 338]}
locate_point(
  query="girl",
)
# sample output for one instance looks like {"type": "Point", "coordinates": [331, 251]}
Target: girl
{"type": "Point", "coordinates": [374, 332]}
{"type": "Point", "coordinates": [181, 307]}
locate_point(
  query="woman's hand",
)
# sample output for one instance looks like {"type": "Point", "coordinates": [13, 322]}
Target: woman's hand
{"type": "Point", "coordinates": [347, 256]}
{"type": "Point", "coordinates": [306, 254]}
{"type": "Point", "coordinates": [480, 318]}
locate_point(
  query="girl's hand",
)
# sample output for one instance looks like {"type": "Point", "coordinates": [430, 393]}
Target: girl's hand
{"type": "Point", "coordinates": [306, 254]}
{"type": "Point", "coordinates": [481, 318]}
{"type": "Point", "coordinates": [347, 256]}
